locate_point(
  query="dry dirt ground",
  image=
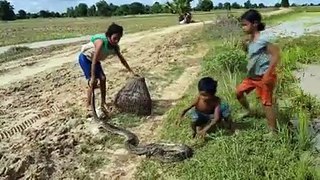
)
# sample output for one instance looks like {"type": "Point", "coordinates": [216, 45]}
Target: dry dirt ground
{"type": "Point", "coordinates": [44, 133]}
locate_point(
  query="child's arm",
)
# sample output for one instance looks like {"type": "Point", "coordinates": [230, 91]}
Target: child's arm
{"type": "Point", "coordinates": [191, 106]}
{"type": "Point", "coordinates": [98, 46]}
{"type": "Point", "coordinates": [245, 43]}
{"type": "Point", "coordinates": [274, 51]}
{"type": "Point", "coordinates": [213, 121]}
{"type": "Point", "coordinates": [123, 61]}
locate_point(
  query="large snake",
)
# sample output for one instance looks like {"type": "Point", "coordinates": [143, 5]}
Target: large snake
{"type": "Point", "coordinates": [163, 152]}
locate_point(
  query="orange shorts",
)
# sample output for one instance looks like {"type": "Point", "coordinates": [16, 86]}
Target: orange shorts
{"type": "Point", "coordinates": [264, 91]}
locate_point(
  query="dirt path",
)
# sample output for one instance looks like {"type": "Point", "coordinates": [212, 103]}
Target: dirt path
{"type": "Point", "coordinates": [44, 132]}
{"type": "Point", "coordinates": [85, 38]}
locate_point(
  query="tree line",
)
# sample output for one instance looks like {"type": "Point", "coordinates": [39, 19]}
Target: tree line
{"type": "Point", "coordinates": [102, 8]}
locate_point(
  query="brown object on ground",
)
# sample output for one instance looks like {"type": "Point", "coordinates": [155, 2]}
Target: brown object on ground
{"type": "Point", "coordinates": [134, 97]}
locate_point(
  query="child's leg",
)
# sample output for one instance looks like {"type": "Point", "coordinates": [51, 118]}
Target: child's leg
{"type": "Point", "coordinates": [226, 115]}
{"type": "Point", "coordinates": [89, 92]}
{"type": "Point", "coordinates": [102, 79]}
{"type": "Point", "coordinates": [85, 65]}
{"type": "Point", "coordinates": [266, 98]}
{"type": "Point", "coordinates": [103, 89]}
{"type": "Point", "coordinates": [245, 87]}
{"type": "Point", "coordinates": [197, 121]}
{"type": "Point", "coordinates": [271, 117]}
{"type": "Point", "coordinates": [265, 92]}
{"type": "Point", "coordinates": [194, 129]}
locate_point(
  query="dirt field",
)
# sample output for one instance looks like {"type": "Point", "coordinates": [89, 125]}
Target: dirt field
{"type": "Point", "coordinates": [44, 132]}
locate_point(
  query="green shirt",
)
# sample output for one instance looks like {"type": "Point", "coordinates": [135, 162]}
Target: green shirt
{"type": "Point", "coordinates": [88, 49]}
{"type": "Point", "coordinates": [106, 49]}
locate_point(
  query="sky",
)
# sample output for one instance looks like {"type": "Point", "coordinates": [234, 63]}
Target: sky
{"type": "Point", "coordinates": [62, 5]}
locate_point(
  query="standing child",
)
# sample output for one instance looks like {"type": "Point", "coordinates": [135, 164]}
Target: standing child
{"type": "Point", "coordinates": [99, 47]}
{"type": "Point", "coordinates": [263, 59]}
{"type": "Point", "coordinates": [208, 110]}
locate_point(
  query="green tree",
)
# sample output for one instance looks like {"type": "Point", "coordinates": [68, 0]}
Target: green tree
{"type": "Point", "coordinates": [103, 8]}
{"type": "Point", "coordinates": [254, 5]}
{"type": "Point", "coordinates": [44, 14]}
{"type": "Point", "coordinates": [33, 15]}
{"type": "Point", "coordinates": [6, 11]}
{"type": "Point", "coordinates": [235, 5]}
{"type": "Point", "coordinates": [285, 3]}
{"type": "Point", "coordinates": [205, 5]}
{"type": "Point", "coordinates": [22, 14]}
{"type": "Point", "coordinates": [261, 5]}
{"type": "Point", "coordinates": [147, 9]}
{"type": "Point", "coordinates": [136, 8]}
{"type": "Point", "coordinates": [122, 10]}
{"type": "Point", "coordinates": [179, 6]}
{"type": "Point", "coordinates": [156, 8]}
{"type": "Point", "coordinates": [165, 8]}
{"type": "Point", "coordinates": [92, 11]}
{"type": "Point", "coordinates": [220, 6]}
{"type": "Point", "coordinates": [57, 14]}
{"type": "Point", "coordinates": [277, 5]}
{"type": "Point", "coordinates": [247, 4]}
{"type": "Point", "coordinates": [81, 10]}
{"type": "Point", "coordinates": [71, 12]}
{"type": "Point", "coordinates": [113, 8]}
{"type": "Point", "coordinates": [227, 5]}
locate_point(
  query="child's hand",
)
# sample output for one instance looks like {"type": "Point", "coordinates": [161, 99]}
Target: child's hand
{"type": "Point", "coordinates": [267, 79]}
{"type": "Point", "coordinates": [202, 133]}
{"type": "Point", "coordinates": [178, 121]}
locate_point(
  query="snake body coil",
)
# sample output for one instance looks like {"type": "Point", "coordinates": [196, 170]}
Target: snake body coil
{"type": "Point", "coordinates": [161, 151]}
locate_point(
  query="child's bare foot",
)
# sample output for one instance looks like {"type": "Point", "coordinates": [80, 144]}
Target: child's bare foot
{"type": "Point", "coordinates": [271, 134]}
{"type": "Point", "coordinates": [194, 135]}
{"type": "Point", "coordinates": [250, 113]}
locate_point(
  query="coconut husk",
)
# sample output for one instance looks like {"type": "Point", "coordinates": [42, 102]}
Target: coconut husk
{"type": "Point", "coordinates": [134, 98]}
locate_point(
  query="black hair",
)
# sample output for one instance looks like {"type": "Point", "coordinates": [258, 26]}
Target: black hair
{"type": "Point", "coordinates": [253, 16]}
{"type": "Point", "coordinates": [114, 29]}
{"type": "Point", "coordinates": [208, 85]}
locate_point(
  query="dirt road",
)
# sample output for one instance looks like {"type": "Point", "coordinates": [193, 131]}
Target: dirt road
{"type": "Point", "coordinates": [84, 38]}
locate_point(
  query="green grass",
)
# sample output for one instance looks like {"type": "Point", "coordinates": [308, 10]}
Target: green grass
{"type": "Point", "coordinates": [32, 30]}
{"type": "Point", "coordinates": [248, 155]}
{"type": "Point", "coordinates": [23, 31]}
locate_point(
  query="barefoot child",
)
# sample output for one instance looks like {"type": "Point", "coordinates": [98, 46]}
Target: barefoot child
{"type": "Point", "coordinates": [263, 58]}
{"type": "Point", "coordinates": [207, 110]}
{"type": "Point", "coordinates": [99, 47]}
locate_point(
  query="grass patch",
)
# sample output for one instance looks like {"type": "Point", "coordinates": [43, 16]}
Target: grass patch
{"type": "Point", "coordinates": [16, 53]}
{"type": "Point", "coordinates": [248, 155]}
{"type": "Point", "coordinates": [173, 72]}
{"type": "Point", "coordinates": [33, 30]}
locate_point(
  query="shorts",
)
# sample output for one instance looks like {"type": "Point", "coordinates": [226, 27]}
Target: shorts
{"type": "Point", "coordinates": [85, 64]}
{"type": "Point", "coordinates": [264, 92]}
{"type": "Point", "coordinates": [201, 118]}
